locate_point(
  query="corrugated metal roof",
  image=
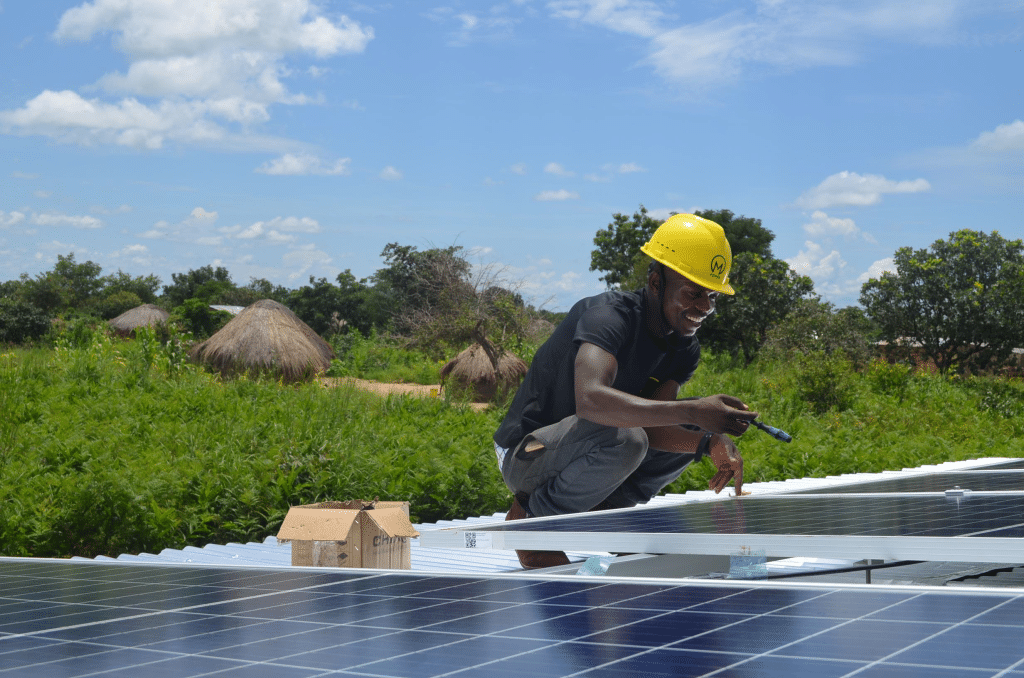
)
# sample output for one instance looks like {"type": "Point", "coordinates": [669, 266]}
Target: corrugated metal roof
{"type": "Point", "coordinates": [483, 561]}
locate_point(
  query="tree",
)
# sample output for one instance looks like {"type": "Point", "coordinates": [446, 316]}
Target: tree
{"type": "Point", "coordinates": [618, 246]}
{"type": "Point", "coordinates": [415, 285]}
{"type": "Point", "coordinates": [766, 291]}
{"type": "Point", "coordinates": [20, 321]}
{"type": "Point", "coordinates": [329, 308]}
{"type": "Point", "coordinates": [113, 305]}
{"type": "Point", "coordinates": [144, 287]}
{"type": "Point", "coordinates": [260, 288]}
{"type": "Point", "coordinates": [81, 280]}
{"type": "Point", "coordinates": [959, 301]}
{"type": "Point", "coordinates": [817, 327]}
{"type": "Point", "coordinates": [207, 283]}
{"type": "Point", "coordinates": [68, 286]}
{"type": "Point", "coordinates": [436, 299]}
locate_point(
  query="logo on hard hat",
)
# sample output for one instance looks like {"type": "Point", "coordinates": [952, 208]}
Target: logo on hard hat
{"type": "Point", "coordinates": [717, 266]}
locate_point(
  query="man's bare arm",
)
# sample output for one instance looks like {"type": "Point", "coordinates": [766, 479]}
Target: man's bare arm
{"type": "Point", "coordinates": [598, 401]}
{"type": "Point", "coordinates": [722, 451]}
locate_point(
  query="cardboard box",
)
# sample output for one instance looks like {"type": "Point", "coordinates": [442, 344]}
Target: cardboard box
{"type": "Point", "coordinates": [350, 534]}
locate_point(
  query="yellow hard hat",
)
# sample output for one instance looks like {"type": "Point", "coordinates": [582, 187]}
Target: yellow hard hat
{"type": "Point", "coordinates": [695, 248]}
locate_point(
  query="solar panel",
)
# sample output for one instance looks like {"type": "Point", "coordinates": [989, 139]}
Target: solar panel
{"type": "Point", "coordinates": [974, 528]}
{"type": "Point", "coordinates": [1004, 465]}
{"type": "Point", "coordinates": [79, 619]}
{"type": "Point", "coordinates": [976, 481]}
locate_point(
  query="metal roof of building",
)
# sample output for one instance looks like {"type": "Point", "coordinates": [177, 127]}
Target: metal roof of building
{"type": "Point", "coordinates": [484, 561]}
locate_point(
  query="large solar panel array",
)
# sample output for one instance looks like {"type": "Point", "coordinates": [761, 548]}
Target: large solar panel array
{"type": "Point", "coordinates": [912, 516]}
{"type": "Point", "coordinates": [89, 619]}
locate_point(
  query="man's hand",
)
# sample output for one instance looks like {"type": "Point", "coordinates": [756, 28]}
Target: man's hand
{"type": "Point", "coordinates": [726, 458]}
{"type": "Point", "coordinates": [723, 414]}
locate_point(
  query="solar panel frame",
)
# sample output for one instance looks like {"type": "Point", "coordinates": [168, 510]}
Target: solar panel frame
{"type": "Point", "coordinates": [981, 480]}
{"type": "Point", "coordinates": [391, 624]}
{"type": "Point", "coordinates": [980, 527]}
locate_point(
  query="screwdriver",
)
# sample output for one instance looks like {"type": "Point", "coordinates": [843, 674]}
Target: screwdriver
{"type": "Point", "coordinates": [776, 433]}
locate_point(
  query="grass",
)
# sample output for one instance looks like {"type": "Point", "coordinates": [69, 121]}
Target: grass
{"type": "Point", "coordinates": [109, 447]}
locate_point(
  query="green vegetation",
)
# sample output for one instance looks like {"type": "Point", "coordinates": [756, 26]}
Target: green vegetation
{"type": "Point", "coordinates": [957, 303]}
{"type": "Point", "coordinates": [109, 447]}
{"type": "Point", "coordinates": [122, 447]}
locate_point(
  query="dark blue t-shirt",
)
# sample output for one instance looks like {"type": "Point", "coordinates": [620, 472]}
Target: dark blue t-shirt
{"type": "Point", "coordinates": [613, 321]}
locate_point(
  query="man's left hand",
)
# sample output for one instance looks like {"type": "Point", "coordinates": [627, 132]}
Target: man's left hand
{"type": "Point", "coordinates": [726, 458]}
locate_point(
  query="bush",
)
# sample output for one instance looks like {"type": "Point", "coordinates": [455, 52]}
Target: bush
{"type": "Point", "coordinates": [20, 321]}
{"type": "Point", "coordinates": [816, 326]}
{"type": "Point", "coordinates": [825, 381]}
{"type": "Point", "coordinates": [115, 304]}
{"type": "Point", "coordinates": [1003, 397]}
{"type": "Point", "coordinates": [889, 378]}
{"type": "Point", "coordinates": [196, 316]}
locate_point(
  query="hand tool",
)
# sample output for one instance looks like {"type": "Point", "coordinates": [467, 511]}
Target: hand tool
{"type": "Point", "coordinates": [778, 434]}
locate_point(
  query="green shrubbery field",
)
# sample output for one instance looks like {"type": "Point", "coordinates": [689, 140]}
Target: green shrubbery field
{"type": "Point", "coordinates": [110, 446]}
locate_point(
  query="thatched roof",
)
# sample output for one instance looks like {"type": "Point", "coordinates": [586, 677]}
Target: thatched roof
{"type": "Point", "coordinates": [484, 369]}
{"type": "Point", "coordinates": [266, 337]}
{"type": "Point", "coordinates": [146, 315]}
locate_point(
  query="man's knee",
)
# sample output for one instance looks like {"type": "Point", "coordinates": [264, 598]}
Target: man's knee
{"type": "Point", "coordinates": [634, 443]}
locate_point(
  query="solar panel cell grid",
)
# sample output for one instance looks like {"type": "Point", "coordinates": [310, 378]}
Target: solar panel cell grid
{"type": "Point", "coordinates": [288, 623]}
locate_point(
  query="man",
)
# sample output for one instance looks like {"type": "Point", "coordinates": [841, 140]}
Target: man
{"type": "Point", "coordinates": [596, 423]}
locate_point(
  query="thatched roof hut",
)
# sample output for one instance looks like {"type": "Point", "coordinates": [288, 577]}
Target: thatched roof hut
{"type": "Point", "coordinates": [146, 315]}
{"type": "Point", "coordinates": [483, 369]}
{"type": "Point", "coordinates": [266, 338]}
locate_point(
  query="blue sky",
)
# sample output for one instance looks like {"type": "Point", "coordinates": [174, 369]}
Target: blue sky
{"type": "Point", "coordinates": [288, 138]}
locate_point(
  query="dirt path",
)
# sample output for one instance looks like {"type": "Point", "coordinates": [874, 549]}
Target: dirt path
{"type": "Point", "coordinates": [383, 389]}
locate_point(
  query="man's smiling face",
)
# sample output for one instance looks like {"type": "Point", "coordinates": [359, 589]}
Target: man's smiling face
{"type": "Point", "coordinates": [686, 304]}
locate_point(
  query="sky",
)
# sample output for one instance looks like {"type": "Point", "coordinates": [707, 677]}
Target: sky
{"type": "Point", "coordinates": [284, 139]}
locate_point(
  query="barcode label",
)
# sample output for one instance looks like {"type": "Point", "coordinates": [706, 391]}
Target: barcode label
{"type": "Point", "coordinates": [478, 540]}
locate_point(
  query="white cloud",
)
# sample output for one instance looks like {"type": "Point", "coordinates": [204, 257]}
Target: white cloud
{"type": "Point", "coordinates": [850, 188]}
{"type": "Point", "coordinates": [42, 194]}
{"type": "Point", "coordinates": [8, 219]}
{"type": "Point", "coordinates": [597, 178]}
{"type": "Point", "coordinates": [633, 17]}
{"type": "Point", "coordinates": [781, 35]}
{"type": "Point", "coordinates": [876, 269]}
{"type": "Point", "coordinates": [662, 213]}
{"type": "Point", "coordinates": [561, 194]}
{"type": "Point", "coordinates": [100, 209]}
{"type": "Point", "coordinates": [630, 167]}
{"type": "Point", "coordinates": [196, 228]}
{"type": "Point", "coordinates": [389, 173]}
{"type": "Point", "coordinates": [824, 226]}
{"type": "Point", "coordinates": [557, 170]}
{"type": "Point", "coordinates": [203, 60]}
{"type": "Point", "coordinates": [66, 116]}
{"type": "Point", "coordinates": [305, 258]}
{"type": "Point", "coordinates": [137, 254]}
{"type": "Point", "coordinates": [24, 175]}
{"type": "Point", "coordinates": [276, 230]}
{"type": "Point", "coordinates": [303, 164]}
{"type": "Point", "coordinates": [201, 216]}
{"type": "Point", "coordinates": [474, 27]}
{"type": "Point", "coordinates": [1003, 139]}
{"type": "Point", "coordinates": [518, 168]}
{"type": "Point", "coordinates": [56, 219]}
{"type": "Point", "coordinates": [814, 262]}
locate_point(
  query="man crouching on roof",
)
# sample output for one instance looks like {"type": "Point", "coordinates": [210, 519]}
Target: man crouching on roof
{"type": "Point", "coordinates": [596, 423]}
